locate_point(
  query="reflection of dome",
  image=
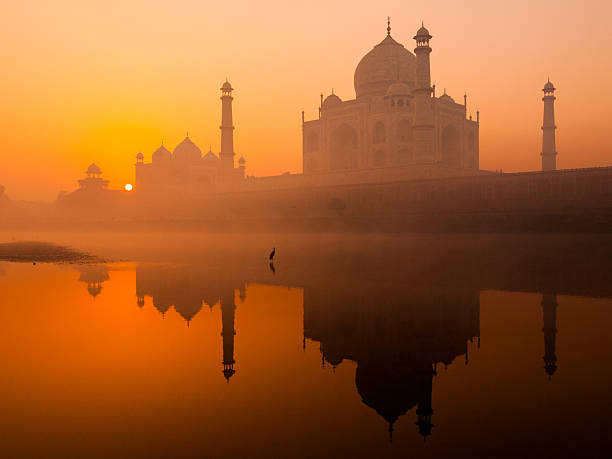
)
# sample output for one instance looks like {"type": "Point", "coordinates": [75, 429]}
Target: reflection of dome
{"type": "Point", "coordinates": [187, 308]}
{"type": "Point", "coordinates": [387, 63]}
{"type": "Point", "coordinates": [94, 289]}
{"type": "Point", "coordinates": [161, 154]}
{"type": "Point", "coordinates": [161, 304]}
{"type": "Point", "coordinates": [399, 89]}
{"type": "Point", "coordinates": [332, 101]}
{"type": "Point", "coordinates": [388, 390]}
{"type": "Point", "coordinates": [187, 151]}
{"type": "Point", "coordinates": [332, 353]}
{"type": "Point", "coordinates": [93, 169]}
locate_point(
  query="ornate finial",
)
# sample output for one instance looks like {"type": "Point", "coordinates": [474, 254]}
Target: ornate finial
{"type": "Point", "coordinates": [332, 91]}
{"type": "Point", "coordinates": [187, 134]}
{"type": "Point", "coordinates": [444, 91]}
{"type": "Point", "coordinates": [422, 24]}
{"type": "Point", "coordinates": [388, 25]}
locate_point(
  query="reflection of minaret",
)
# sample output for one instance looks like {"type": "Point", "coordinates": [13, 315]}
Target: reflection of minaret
{"type": "Point", "coordinates": [228, 309]}
{"type": "Point", "coordinates": [549, 308]}
{"type": "Point", "coordinates": [424, 411]}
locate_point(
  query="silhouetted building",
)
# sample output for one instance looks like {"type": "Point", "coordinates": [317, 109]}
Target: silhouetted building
{"type": "Point", "coordinates": [549, 148]}
{"type": "Point", "coordinates": [549, 309]}
{"type": "Point", "coordinates": [94, 180]}
{"type": "Point", "coordinates": [395, 124]}
{"type": "Point", "coordinates": [185, 170]}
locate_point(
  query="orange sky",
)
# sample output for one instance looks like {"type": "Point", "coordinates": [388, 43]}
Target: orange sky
{"type": "Point", "coordinates": [100, 81]}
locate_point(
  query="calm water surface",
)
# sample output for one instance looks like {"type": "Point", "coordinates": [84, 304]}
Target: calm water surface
{"type": "Point", "coordinates": [362, 347]}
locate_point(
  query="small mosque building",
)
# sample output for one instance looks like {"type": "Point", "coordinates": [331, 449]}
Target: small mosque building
{"type": "Point", "coordinates": [185, 169]}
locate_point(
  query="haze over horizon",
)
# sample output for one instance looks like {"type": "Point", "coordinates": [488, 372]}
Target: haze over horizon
{"type": "Point", "coordinates": [99, 83]}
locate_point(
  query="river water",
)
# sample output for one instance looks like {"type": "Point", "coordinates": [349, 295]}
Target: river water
{"type": "Point", "coordinates": [186, 345]}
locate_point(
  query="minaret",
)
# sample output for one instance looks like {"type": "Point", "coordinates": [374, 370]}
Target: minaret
{"type": "Point", "coordinates": [549, 152]}
{"type": "Point", "coordinates": [228, 309]}
{"type": "Point", "coordinates": [227, 128]}
{"type": "Point", "coordinates": [423, 117]}
{"type": "Point", "coordinates": [549, 309]}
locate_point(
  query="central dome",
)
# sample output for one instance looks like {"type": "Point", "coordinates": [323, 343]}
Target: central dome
{"type": "Point", "coordinates": [387, 63]}
{"type": "Point", "coordinates": [187, 151]}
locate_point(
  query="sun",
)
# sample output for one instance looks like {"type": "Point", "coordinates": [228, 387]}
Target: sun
{"type": "Point", "coordinates": [128, 187]}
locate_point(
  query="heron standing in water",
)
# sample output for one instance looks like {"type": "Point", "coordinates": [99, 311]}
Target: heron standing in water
{"type": "Point", "coordinates": [272, 254]}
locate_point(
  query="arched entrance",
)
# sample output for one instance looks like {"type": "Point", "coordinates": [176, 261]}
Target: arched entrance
{"type": "Point", "coordinates": [451, 147]}
{"type": "Point", "coordinates": [343, 153]}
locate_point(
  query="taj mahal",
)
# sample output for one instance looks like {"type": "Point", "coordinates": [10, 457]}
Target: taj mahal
{"type": "Point", "coordinates": [395, 121]}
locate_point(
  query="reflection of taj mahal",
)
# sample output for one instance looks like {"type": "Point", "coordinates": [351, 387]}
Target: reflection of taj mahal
{"type": "Point", "coordinates": [395, 121]}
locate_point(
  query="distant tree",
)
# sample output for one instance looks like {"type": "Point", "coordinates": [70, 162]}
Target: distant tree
{"type": "Point", "coordinates": [337, 205]}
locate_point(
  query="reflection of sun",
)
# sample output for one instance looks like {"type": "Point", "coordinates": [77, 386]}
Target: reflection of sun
{"type": "Point", "coordinates": [128, 187]}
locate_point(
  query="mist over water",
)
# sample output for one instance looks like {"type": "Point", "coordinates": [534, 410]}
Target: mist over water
{"type": "Point", "coordinates": [195, 345]}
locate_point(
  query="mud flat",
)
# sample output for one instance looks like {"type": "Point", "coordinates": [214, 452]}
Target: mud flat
{"type": "Point", "coordinates": [43, 252]}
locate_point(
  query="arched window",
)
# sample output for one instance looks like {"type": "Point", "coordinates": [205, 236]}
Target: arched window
{"type": "Point", "coordinates": [343, 153]}
{"type": "Point", "coordinates": [379, 158]}
{"type": "Point", "coordinates": [451, 146]}
{"type": "Point", "coordinates": [311, 142]}
{"type": "Point", "coordinates": [404, 131]}
{"type": "Point", "coordinates": [379, 134]}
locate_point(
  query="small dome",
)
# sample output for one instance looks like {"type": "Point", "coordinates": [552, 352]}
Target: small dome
{"type": "Point", "coordinates": [242, 160]}
{"type": "Point", "coordinates": [227, 87]}
{"type": "Point", "coordinates": [332, 101]}
{"type": "Point", "coordinates": [93, 169]}
{"type": "Point", "coordinates": [423, 33]}
{"type": "Point", "coordinates": [549, 86]}
{"type": "Point", "coordinates": [187, 151]}
{"type": "Point", "coordinates": [139, 155]}
{"type": "Point", "coordinates": [161, 154]}
{"type": "Point", "coordinates": [398, 89]}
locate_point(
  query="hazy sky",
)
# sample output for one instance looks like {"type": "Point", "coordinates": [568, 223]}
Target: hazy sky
{"type": "Point", "coordinates": [99, 81]}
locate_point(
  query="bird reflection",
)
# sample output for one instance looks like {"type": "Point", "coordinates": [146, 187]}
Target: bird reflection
{"type": "Point", "coordinates": [549, 309]}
